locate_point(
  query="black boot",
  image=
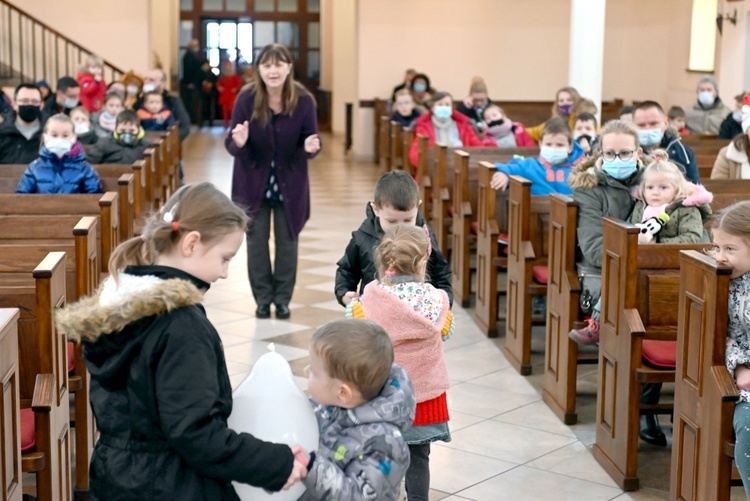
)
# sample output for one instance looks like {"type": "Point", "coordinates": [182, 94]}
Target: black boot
{"type": "Point", "coordinates": [651, 431]}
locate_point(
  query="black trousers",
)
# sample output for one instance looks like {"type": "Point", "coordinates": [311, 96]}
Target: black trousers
{"type": "Point", "coordinates": [271, 285]}
{"type": "Point", "coordinates": [418, 473]}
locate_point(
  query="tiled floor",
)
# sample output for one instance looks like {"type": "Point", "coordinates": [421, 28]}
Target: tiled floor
{"type": "Point", "coordinates": [507, 445]}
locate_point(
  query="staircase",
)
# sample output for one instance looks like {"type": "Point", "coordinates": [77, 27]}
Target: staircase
{"type": "Point", "coordinates": [30, 51]}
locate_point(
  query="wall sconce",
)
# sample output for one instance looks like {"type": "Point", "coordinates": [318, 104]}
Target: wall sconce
{"type": "Point", "coordinates": [720, 17]}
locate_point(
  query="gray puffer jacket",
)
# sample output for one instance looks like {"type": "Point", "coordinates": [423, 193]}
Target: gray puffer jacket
{"type": "Point", "coordinates": [362, 454]}
{"type": "Point", "coordinates": [598, 195]}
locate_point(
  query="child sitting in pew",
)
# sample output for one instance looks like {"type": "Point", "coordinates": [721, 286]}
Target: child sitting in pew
{"type": "Point", "coordinates": [730, 232]}
{"type": "Point", "coordinates": [678, 120]}
{"type": "Point", "coordinates": [506, 133]}
{"type": "Point", "coordinates": [396, 202]}
{"type": "Point", "coordinates": [154, 115]}
{"type": "Point", "coordinates": [548, 173]}
{"type": "Point", "coordinates": [585, 132]}
{"type": "Point", "coordinates": [61, 166]}
{"type": "Point", "coordinates": [125, 145]}
{"type": "Point", "coordinates": [664, 189]}
{"type": "Point", "coordinates": [104, 120]}
{"type": "Point", "coordinates": [405, 113]}
{"type": "Point", "coordinates": [82, 122]}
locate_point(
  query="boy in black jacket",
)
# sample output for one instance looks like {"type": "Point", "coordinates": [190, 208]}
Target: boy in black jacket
{"type": "Point", "coordinates": [124, 146]}
{"type": "Point", "coordinates": [396, 202]}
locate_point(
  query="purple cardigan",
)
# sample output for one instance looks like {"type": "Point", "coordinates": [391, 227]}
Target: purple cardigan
{"type": "Point", "coordinates": [285, 146]}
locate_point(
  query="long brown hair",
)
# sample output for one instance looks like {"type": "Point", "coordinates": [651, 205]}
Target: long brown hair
{"type": "Point", "coordinates": [573, 93]}
{"type": "Point", "coordinates": [742, 143]}
{"type": "Point", "coordinates": [194, 207]}
{"type": "Point", "coordinates": [290, 93]}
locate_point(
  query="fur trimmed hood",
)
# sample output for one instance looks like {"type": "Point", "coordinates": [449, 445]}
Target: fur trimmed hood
{"type": "Point", "coordinates": [115, 306]}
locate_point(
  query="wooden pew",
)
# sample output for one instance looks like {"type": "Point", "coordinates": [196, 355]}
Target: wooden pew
{"type": "Point", "coordinates": [380, 109]}
{"type": "Point", "coordinates": [103, 206]}
{"type": "Point", "coordinates": [705, 394]}
{"type": "Point", "coordinates": [424, 176]}
{"type": "Point", "coordinates": [528, 220]}
{"type": "Point", "coordinates": [43, 377]}
{"type": "Point", "coordinates": [640, 286]}
{"type": "Point", "coordinates": [25, 241]}
{"type": "Point", "coordinates": [10, 417]}
{"type": "Point", "coordinates": [397, 147]}
{"type": "Point", "coordinates": [384, 144]}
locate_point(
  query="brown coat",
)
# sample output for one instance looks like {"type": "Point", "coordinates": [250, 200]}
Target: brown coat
{"type": "Point", "coordinates": [729, 163]}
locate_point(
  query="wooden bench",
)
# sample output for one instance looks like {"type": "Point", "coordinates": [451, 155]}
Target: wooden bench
{"type": "Point", "coordinates": [10, 417]}
{"type": "Point", "coordinates": [528, 220]}
{"type": "Point", "coordinates": [383, 144]}
{"type": "Point", "coordinates": [103, 206]}
{"type": "Point", "coordinates": [705, 394]}
{"type": "Point", "coordinates": [43, 376]}
{"type": "Point", "coordinates": [640, 286]}
{"type": "Point", "coordinates": [25, 241]}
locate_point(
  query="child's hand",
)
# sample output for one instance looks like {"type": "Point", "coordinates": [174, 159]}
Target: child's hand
{"type": "Point", "coordinates": [240, 134]}
{"type": "Point", "coordinates": [469, 102]}
{"type": "Point", "coordinates": [499, 181]}
{"type": "Point", "coordinates": [645, 238]}
{"type": "Point", "coordinates": [299, 470]}
{"type": "Point", "coordinates": [742, 376]}
{"type": "Point", "coordinates": [349, 297]}
{"type": "Point", "coordinates": [300, 455]}
{"type": "Point", "coordinates": [312, 144]}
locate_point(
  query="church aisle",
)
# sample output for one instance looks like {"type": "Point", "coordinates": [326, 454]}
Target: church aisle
{"type": "Point", "coordinates": [506, 443]}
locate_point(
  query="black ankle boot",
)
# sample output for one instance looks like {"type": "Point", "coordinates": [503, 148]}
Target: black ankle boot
{"type": "Point", "coordinates": [651, 432]}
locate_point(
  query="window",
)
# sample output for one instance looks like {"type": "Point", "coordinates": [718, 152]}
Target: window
{"type": "Point", "coordinates": [287, 5]}
{"type": "Point", "coordinates": [313, 6]}
{"type": "Point", "coordinates": [213, 5]}
{"type": "Point", "coordinates": [236, 5]}
{"type": "Point", "coordinates": [264, 5]}
{"type": "Point", "coordinates": [224, 38]}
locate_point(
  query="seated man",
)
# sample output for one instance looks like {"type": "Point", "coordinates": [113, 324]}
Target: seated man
{"type": "Point", "coordinates": [125, 145]}
{"type": "Point", "coordinates": [64, 99]}
{"type": "Point", "coordinates": [653, 133]}
{"type": "Point", "coordinates": [705, 116]}
{"type": "Point", "coordinates": [20, 136]}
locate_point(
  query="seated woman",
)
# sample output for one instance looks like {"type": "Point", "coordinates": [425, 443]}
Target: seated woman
{"type": "Point", "coordinates": [443, 125]}
{"type": "Point", "coordinates": [477, 101]}
{"type": "Point", "coordinates": [422, 92]}
{"type": "Point", "coordinates": [732, 161]}
{"type": "Point", "coordinates": [61, 166]}
{"type": "Point", "coordinates": [565, 100]}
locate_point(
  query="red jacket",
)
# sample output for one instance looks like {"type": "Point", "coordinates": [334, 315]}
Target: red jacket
{"type": "Point", "coordinates": [228, 86]}
{"type": "Point", "coordinates": [92, 92]}
{"type": "Point", "coordinates": [423, 126]}
{"type": "Point", "coordinates": [523, 139]}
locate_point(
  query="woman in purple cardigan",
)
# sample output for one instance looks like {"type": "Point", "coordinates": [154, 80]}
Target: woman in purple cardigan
{"type": "Point", "coordinates": [274, 131]}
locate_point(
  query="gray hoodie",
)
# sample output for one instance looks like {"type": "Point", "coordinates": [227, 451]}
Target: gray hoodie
{"type": "Point", "coordinates": [362, 454]}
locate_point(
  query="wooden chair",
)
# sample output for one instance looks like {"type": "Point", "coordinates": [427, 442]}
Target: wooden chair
{"type": "Point", "coordinates": [43, 377]}
{"type": "Point", "coordinates": [10, 407]}
{"type": "Point", "coordinates": [528, 219]}
{"type": "Point", "coordinates": [640, 286]}
{"type": "Point", "coordinates": [705, 394]}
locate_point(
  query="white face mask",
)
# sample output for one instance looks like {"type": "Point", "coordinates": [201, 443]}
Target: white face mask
{"type": "Point", "coordinates": [82, 128]}
{"type": "Point", "coordinates": [132, 90]}
{"type": "Point", "coordinates": [70, 102]}
{"type": "Point", "coordinates": [58, 146]}
{"type": "Point", "coordinates": [149, 87]}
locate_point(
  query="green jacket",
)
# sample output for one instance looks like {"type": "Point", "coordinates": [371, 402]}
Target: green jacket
{"type": "Point", "coordinates": [598, 195]}
{"type": "Point", "coordinates": [686, 218]}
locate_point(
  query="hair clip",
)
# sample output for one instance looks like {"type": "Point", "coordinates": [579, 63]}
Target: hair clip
{"type": "Point", "coordinates": [168, 216]}
{"type": "Point", "coordinates": [390, 273]}
{"type": "Point", "coordinates": [175, 225]}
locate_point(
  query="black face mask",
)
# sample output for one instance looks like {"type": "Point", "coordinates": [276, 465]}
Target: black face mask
{"type": "Point", "coordinates": [496, 122]}
{"type": "Point", "coordinates": [29, 112]}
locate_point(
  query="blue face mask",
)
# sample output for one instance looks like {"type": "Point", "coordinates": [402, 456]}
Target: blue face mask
{"type": "Point", "coordinates": [442, 112]}
{"type": "Point", "coordinates": [555, 156]}
{"type": "Point", "coordinates": [620, 169]}
{"type": "Point", "coordinates": [420, 87]}
{"type": "Point", "coordinates": [650, 137]}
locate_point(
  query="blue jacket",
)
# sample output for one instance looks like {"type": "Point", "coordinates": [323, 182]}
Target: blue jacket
{"type": "Point", "coordinates": [69, 174]}
{"type": "Point", "coordinates": [545, 179]}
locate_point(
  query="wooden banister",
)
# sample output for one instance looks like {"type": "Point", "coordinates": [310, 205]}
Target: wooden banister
{"type": "Point", "coordinates": [32, 50]}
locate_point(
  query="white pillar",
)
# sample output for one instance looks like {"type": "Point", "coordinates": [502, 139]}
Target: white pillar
{"type": "Point", "coordinates": [586, 59]}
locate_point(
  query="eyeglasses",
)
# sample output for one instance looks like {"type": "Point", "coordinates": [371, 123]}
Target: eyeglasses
{"type": "Point", "coordinates": [609, 155]}
{"type": "Point", "coordinates": [26, 102]}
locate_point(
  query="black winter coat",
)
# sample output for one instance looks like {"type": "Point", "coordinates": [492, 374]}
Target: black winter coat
{"type": "Point", "coordinates": [357, 267]}
{"type": "Point", "coordinates": [108, 150]}
{"type": "Point", "coordinates": [15, 148]}
{"type": "Point", "coordinates": [161, 394]}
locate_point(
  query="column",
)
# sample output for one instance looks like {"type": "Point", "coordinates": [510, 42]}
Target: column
{"type": "Point", "coordinates": [586, 58]}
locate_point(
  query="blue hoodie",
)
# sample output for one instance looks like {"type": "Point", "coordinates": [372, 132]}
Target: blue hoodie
{"type": "Point", "coordinates": [545, 178]}
{"type": "Point", "coordinates": [69, 174]}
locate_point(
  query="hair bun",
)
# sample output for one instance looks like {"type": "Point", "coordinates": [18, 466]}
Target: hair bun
{"type": "Point", "coordinates": [660, 155]}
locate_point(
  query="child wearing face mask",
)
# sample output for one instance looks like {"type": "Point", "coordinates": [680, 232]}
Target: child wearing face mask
{"type": "Point", "coordinates": [82, 125]}
{"type": "Point", "coordinates": [549, 172]}
{"type": "Point", "coordinates": [124, 145]}
{"type": "Point", "coordinates": [505, 133]}
{"type": "Point", "coordinates": [154, 115]}
{"type": "Point", "coordinates": [104, 121]}
{"type": "Point", "coordinates": [133, 89]}
{"type": "Point", "coordinates": [93, 86]}
{"type": "Point", "coordinates": [585, 132]}
{"type": "Point", "coordinates": [61, 167]}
